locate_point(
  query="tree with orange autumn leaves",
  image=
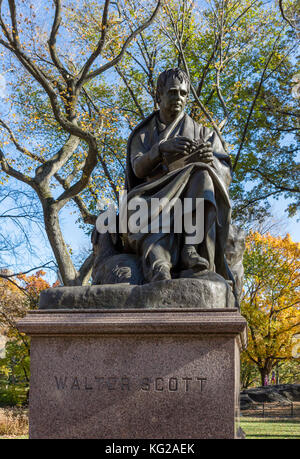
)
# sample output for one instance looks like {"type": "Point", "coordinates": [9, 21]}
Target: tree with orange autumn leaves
{"type": "Point", "coordinates": [76, 77]}
{"type": "Point", "coordinates": [18, 294]}
{"type": "Point", "coordinates": [271, 300]}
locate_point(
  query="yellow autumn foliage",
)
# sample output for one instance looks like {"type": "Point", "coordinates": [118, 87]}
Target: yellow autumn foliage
{"type": "Point", "coordinates": [271, 299]}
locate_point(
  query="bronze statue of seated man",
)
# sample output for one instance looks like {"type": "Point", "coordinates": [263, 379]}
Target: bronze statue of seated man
{"type": "Point", "coordinates": [170, 155]}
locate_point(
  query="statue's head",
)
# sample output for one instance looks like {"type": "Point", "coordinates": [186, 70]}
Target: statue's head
{"type": "Point", "coordinates": [172, 90]}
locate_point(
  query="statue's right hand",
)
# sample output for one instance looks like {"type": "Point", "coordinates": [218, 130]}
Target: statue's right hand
{"type": "Point", "coordinates": [177, 145]}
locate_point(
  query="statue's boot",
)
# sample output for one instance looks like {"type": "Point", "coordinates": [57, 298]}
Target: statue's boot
{"type": "Point", "coordinates": [190, 258]}
{"type": "Point", "coordinates": [161, 271]}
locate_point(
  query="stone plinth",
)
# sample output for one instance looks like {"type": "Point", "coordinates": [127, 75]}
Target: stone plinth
{"type": "Point", "coordinates": [208, 290]}
{"type": "Point", "coordinates": [135, 373]}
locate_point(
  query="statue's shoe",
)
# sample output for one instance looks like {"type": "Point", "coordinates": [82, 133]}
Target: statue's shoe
{"type": "Point", "coordinates": [161, 272]}
{"type": "Point", "coordinates": [191, 259]}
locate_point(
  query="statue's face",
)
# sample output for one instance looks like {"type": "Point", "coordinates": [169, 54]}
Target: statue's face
{"type": "Point", "coordinates": [173, 97]}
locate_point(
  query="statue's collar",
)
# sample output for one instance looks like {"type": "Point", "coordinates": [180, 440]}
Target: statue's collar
{"type": "Point", "coordinates": [166, 131]}
{"type": "Point", "coordinates": [162, 126]}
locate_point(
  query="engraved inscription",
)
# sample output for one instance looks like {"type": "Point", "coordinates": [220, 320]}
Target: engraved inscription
{"type": "Point", "coordinates": [173, 384]}
{"type": "Point", "coordinates": [125, 384]}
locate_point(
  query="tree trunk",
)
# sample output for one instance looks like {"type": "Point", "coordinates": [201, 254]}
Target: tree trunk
{"type": "Point", "coordinates": [264, 376]}
{"type": "Point", "coordinates": [66, 267]}
{"type": "Point", "coordinates": [265, 372]}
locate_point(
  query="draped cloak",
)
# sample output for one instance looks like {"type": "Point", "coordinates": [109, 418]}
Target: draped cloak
{"type": "Point", "coordinates": [201, 180]}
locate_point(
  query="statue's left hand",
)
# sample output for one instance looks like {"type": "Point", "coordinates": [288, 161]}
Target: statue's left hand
{"type": "Point", "coordinates": [204, 152]}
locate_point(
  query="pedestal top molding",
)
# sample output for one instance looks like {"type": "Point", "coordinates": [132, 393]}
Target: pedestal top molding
{"type": "Point", "coordinates": [69, 322]}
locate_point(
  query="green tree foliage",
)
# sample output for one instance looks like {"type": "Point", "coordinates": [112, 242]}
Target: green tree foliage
{"type": "Point", "coordinates": [54, 135]}
{"type": "Point", "coordinates": [18, 294]}
{"type": "Point", "coordinates": [242, 60]}
{"type": "Point", "coordinates": [88, 77]}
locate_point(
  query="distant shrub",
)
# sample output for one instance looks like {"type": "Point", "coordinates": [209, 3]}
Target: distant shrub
{"type": "Point", "coordinates": [13, 422]}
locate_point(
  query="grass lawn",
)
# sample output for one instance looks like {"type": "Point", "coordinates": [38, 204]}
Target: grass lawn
{"type": "Point", "coordinates": [271, 428]}
{"type": "Point", "coordinates": [254, 428]}
{"type": "Point", "coordinates": [13, 437]}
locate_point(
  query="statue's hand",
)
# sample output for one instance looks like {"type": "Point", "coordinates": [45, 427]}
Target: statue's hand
{"type": "Point", "coordinates": [177, 145]}
{"type": "Point", "coordinates": [203, 152]}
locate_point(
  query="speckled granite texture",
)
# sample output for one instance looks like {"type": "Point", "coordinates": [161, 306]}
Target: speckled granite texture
{"type": "Point", "coordinates": [136, 374]}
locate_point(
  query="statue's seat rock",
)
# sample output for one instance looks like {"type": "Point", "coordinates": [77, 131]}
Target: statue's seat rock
{"type": "Point", "coordinates": [208, 291]}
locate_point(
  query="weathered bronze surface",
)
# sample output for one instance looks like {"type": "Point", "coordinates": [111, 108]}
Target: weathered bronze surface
{"type": "Point", "coordinates": [170, 155]}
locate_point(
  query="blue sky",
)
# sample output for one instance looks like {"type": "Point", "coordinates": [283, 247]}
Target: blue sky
{"type": "Point", "coordinates": [80, 242]}
{"type": "Point", "coordinates": [74, 235]}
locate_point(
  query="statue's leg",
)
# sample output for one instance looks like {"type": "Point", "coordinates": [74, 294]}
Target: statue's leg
{"type": "Point", "coordinates": [190, 258]}
{"type": "Point", "coordinates": [201, 256]}
{"type": "Point", "coordinates": [208, 246]}
{"type": "Point", "coordinates": [159, 259]}
{"type": "Point", "coordinates": [159, 254]}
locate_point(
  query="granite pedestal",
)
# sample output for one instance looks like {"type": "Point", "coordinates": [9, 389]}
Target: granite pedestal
{"type": "Point", "coordinates": [113, 374]}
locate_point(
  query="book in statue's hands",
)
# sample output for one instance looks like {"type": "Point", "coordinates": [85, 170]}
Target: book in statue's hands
{"type": "Point", "coordinates": [177, 161]}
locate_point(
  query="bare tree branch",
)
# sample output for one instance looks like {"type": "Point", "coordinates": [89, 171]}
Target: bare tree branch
{"type": "Point", "coordinates": [63, 100]}
{"type": "Point", "coordinates": [258, 198]}
{"type": "Point", "coordinates": [122, 75]}
{"type": "Point", "coordinates": [129, 39]}
{"type": "Point", "coordinates": [51, 166]}
{"type": "Point", "coordinates": [85, 271]}
{"type": "Point", "coordinates": [14, 173]}
{"type": "Point", "coordinates": [179, 47]}
{"type": "Point", "coordinates": [242, 14]}
{"type": "Point", "coordinates": [283, 14]}
{"type": "Point", "coordinates": [87, 216]}
{"type": "Point", "coordinates": [52, 41]}
{"type": "Point", "coordinates": [3, 27]}
{"type": "Point", "coordinates": [15, 33]}
{"type": "Point", "coordinates": [261, 81]}
{"type": "Point", "coordinates": [277, 185]}
{"type": "Point", "coordinates": [219, 68]}
{"type": "Point", "coordinates": [21, 273]}
{"type": "Point", "coordinates": [104, 26]}
{"type": "Point", "coordinates": [19, 147]}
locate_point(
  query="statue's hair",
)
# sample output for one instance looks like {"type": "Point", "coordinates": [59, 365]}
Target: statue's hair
{"type": "Point", "coordinates": [175, 74]}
